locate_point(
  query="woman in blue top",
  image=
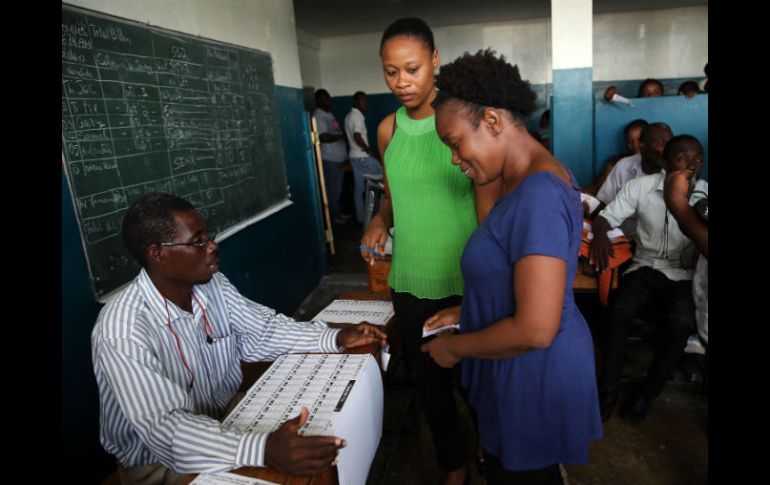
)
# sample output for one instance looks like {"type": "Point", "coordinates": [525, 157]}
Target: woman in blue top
{"type": "Point", "coordinates": [526, 351]}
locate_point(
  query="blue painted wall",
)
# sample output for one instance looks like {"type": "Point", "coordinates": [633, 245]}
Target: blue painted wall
{"type": "Point", "coordinates": [277, 262]}
{"type": "Point", "coordinates": [572, 121]}
{"type": "Point", "coordinates": [685, 116]}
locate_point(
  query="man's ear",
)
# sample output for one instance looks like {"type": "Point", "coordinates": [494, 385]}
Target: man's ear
{"type": "Point", "coordinates": [493, 120]}
{"type": "Point", "coordinates": [154, 253]}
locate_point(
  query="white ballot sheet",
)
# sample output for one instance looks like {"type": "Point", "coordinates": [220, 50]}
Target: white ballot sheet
{"type": "Point", "coordinates": [228, 479]}
{"type": "Point", "coordinates": [343, 394]}
{"type": "Point", "coordinates": [356, 311]}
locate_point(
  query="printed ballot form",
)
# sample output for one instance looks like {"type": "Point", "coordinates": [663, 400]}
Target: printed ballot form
{"type": "Point", "coordinates": [343, 394]}
{"type": "Point", "coordinates": [377, 312]}
{"type": "Point", "coordinates": [228, 479]}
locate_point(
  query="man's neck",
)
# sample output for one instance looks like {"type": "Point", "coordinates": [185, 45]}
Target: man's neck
{"type": "Point", "coordinates": [177, 293]}
{"type": "Point", "coordinates": [649, 167]}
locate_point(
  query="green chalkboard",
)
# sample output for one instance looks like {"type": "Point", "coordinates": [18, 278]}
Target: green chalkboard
{"type": "Point", "coordinates": [150, 110]}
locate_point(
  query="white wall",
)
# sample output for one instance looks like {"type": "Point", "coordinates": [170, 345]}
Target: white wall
{"type": "Point", "coordinates": [267, 25]}
{"type": "Point", "coordinates": [667, 43]}
{"type": "Point", "coordinates": [310, 65]}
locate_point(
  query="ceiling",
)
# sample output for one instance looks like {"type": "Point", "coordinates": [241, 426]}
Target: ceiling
{"type": "Point", "coordinates": [329, 18]}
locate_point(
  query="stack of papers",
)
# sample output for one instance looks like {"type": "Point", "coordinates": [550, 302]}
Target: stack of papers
{"type": "Point", "coordinates": [376, 312]}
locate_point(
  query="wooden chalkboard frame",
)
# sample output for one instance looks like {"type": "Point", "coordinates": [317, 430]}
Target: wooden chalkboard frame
{"type": "Point", "coordinates": [254, 150]}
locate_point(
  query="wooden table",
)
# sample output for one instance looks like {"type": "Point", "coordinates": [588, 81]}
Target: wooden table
{"type": "Point", "coordinates": [252, 371]}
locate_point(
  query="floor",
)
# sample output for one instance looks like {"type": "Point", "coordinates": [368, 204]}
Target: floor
{"type": "Point", "coordinates": [670, 447]}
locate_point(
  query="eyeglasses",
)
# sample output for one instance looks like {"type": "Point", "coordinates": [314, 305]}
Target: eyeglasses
{"type": "Point", "coordinates": [198, 243]}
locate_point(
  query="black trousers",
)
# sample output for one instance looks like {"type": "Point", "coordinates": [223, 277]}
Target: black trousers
{"type": "Point", "coordinates": [639, 290]}
{"type": "Point", "coordinates": [434, 383]}
{"type": "Point", "coordinates": [497, 475]}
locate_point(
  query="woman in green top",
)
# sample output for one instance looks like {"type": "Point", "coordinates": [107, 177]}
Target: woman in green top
{"type": "Point", "coordinates": [434, 209]}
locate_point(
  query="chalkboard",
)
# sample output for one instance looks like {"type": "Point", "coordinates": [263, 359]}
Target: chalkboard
{"type": "Point", "coordinates": [150, 110]}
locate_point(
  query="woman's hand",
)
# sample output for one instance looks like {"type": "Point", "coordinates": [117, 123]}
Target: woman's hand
{"type": "Point", "coordinates": [442, 318]}
{"type": "Point", "coordinates": [440, 350]}
{"type": "Point", "coordinates": [375, 237]}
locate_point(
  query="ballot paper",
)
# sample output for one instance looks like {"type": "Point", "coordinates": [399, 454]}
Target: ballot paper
{"type": "Point", "coordinates": [428, 333]}
{"type": "Point", "coordinates": [228, 479]}
{"type": "Point", "coordinates": [377, 312]}
{"type": "Point", "coordinates": [343, 394]}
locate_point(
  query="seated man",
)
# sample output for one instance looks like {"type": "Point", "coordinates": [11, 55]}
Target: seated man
{"type": "Point", "coordinates": [167, 352]}
{"type": "Point", "coordinates": [660, 274]}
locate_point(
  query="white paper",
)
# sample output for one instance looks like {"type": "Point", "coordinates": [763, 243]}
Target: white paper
{"type": "Point", "coordinates": [428, 333]}
{"type": "Point", "coordinates": [377, 312]}
{"type": "Point", "coordinates": [228, 479]}
{"type": "Point", "coordinates": [593, 202]}
{"type": "Point", "coordinates": [620, 99]}
{"type": "Point", "coordinates": [385, 357]}
{"type": "Point", "coordinates": [343, 394]}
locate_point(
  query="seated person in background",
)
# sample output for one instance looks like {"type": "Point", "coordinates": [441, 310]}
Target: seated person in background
{"type": "Point", "coordinates": [693, 222]}
{"type": "Point", "coordinates": [660, 275]}
{"type": "Point", "coordinates": [689, 89]}
{"type": "Point", "coordinates": [632, 133]}
{"type": "Point", "coordinates": [167, 351]}
{"type": "Point", "coordinates": [649, 88]}
{"type": "Point", "coordinates": [648, 161]}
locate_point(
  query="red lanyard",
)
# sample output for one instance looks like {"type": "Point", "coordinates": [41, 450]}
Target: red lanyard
{"type": "Point", "coordinates": [207, 328]}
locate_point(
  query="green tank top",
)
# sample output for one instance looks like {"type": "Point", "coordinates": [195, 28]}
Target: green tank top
{"type": "Point", "coordinates": [434, 211]}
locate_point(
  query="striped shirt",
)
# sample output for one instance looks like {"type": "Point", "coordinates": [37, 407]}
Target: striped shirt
{"type": "Point", "coordinates": [151, 410]}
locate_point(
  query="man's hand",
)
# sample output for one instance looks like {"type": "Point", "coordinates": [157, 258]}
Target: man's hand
{"type": "Point", "coordinates": [362, 334]}
{"type": "Point", "coordinates": [440, 350]}
{"type": "Point", "coordinates": [610, 92]}
{"type": "Point", "coordinates": [601, 249]}
{"type": "Point", "coordinates": [676, 189]}
{"type": "Point", "coordinates": [288, 452]}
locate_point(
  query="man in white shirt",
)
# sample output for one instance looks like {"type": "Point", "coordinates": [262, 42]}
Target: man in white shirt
{"type": "Point", "coordinates": [333, 152]}
{"type": "Point", "coordinates": [362, 158]}
{"type": "Point", "coordinates": [660, 275]}
{"type": "Point", "coordinates": [167, 351]}
{"type": "Point", "coordinates": [648, 161]}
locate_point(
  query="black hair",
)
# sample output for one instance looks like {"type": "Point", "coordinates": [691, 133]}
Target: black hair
{"type": "Point", "coordinates": [409, 27]}
{"type": "Point", "coordinates": [678, 144]}
{"type": "Point", "coordinates": [637, 123]}
{"type": "Point", "coordinates": [358, 95]}
{"type": "Point", "coordinates": [482, 79]}
{"type": "Point", "coordinates": [319, 93]}
{"type": "Point", "coordinates": [150, 220]}
{"type": "Point", "coordinates": [688, 85]}
{"type": "Point", "coordinates": [649, 129]}
{"type": "Point", "coordinates": [650, 81]}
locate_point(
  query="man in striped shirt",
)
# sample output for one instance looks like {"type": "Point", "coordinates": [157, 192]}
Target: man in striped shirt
{"type": "Point", "coordinates": [167, 352]}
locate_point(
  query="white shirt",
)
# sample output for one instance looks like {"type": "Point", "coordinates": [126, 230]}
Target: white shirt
{"type": "Point", "coordinates": [660, 243]}
{"type": "Point", "coordinates": [149, 411]}
{"type": "Point", "coordinates": [627, 168]}
{"type": "Point", "coordinates": [327, 123]}
{"type": "Point", "coordinates": [354, 123]}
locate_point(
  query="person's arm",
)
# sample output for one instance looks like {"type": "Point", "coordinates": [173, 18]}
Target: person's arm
{"type": "Point", "coordinates": [675, 193]}
{"type": "Point", "coordinates": [622, 207]}
{"type": "Point", "coordinates": [325, 133]}
{"type": "Point", "coordinates": [539, 283]}
{"type": "Point", "coordinates": [377, 232]}
{"type": "Point", "coordinates": [361, 143]}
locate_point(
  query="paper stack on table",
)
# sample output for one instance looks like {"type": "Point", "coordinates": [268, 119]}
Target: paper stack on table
{"type": "Point", "coordinates": [343, 394]}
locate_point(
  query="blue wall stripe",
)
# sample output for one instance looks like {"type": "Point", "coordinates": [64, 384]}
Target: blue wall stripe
{"type": "Point", "coordinates": [685, 116]}
{"type": "Point", "coordinates": [572, 121]}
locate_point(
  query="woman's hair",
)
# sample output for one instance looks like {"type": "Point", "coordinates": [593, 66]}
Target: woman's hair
{"type": "Point", "coordinates": [409, 27]}
{"type": "Point", "coordinates": [482, 79]}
